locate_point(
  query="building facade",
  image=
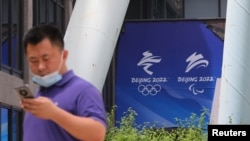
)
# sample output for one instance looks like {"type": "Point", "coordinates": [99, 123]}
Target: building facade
{"type": "Point", "coordinates": [17, 16]}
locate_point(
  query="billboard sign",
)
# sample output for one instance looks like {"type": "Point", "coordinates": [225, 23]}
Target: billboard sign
{"type": "Point", "coordinates": [167, 70]}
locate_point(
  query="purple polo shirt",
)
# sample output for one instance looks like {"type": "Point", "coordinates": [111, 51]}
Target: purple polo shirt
{"type": "Point", "coordinates": [72, 94]}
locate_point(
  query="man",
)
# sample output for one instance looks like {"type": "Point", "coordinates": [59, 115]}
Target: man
{"type": "Point", "coordinates": [65, 107]}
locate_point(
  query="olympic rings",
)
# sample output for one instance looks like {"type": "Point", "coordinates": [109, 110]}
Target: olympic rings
{"type": "Point", "coordinates": [149, 89]}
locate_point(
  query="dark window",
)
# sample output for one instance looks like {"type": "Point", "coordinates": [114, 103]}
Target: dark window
{"type": "Point", "coordinates": [4, 124]}
{"type": "Point", "coordinates": [11, 123]}
{"type": "Point", "coordinates": [16, 124]}
{"type": "Point", "coordinates": [155, 9]}
{"type": "Point", "coordinates": [11, 25]}
{"type": "Point", "coordinates": [49, 11]}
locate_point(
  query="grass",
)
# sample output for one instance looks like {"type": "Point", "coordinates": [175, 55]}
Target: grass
{"type": "Point", "coordinates": [190, 129]}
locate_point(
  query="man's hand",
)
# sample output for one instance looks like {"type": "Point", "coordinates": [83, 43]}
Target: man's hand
{"type": "Point", "coordinates": [41, 107]}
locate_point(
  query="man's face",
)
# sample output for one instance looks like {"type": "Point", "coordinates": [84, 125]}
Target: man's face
{"type": "Point", "coordinates": [44, 57]}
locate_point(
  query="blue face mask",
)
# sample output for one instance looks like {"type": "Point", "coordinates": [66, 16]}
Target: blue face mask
{"type": "Point", "coordinates": [49, 79]}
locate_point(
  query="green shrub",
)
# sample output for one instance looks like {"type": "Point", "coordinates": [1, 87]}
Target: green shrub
{"type": "Point", "coordinates": [190, 129]}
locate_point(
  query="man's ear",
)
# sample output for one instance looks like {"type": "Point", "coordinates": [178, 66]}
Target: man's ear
{"type": "Point", "coordinates": [65, 54]}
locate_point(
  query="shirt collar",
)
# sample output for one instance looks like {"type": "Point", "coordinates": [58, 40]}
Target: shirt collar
{"type": "Point", "coordinates": [65, 78]}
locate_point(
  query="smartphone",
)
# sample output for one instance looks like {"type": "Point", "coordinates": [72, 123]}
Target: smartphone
{"type": "Point", "coordinates": [24, 92]}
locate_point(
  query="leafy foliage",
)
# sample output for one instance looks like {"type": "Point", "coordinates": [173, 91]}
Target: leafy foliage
{"type": "Point", "coordinates": [190, 129]}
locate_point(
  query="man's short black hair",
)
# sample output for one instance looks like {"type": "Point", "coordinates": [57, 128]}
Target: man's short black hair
{"type": "Point", "coordinates": [38, 33]}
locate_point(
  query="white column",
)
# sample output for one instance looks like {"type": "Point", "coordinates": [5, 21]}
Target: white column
{"type": "Point", "coordinates": [234, 97]}
{"type": "Point", "coordinates": [91, 37]}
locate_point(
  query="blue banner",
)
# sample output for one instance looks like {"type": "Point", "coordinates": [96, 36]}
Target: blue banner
{"type": "Point", "coordinates": [167, 70]}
